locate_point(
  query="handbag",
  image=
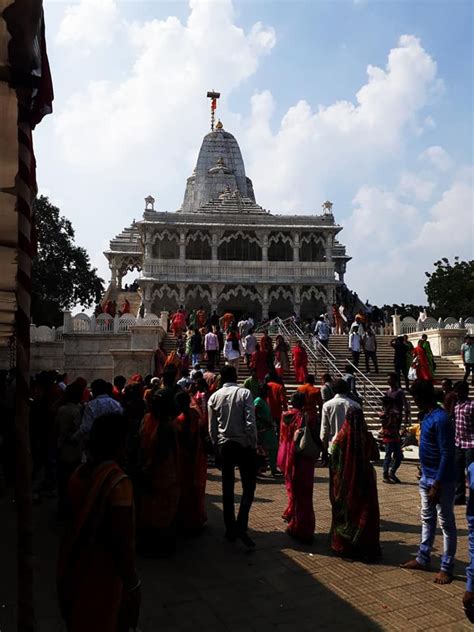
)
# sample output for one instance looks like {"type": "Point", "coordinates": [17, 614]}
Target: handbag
{"type": "Point", "coordinates": [412, 373]}
{"type": "Point", "coordinates": [305, 443]}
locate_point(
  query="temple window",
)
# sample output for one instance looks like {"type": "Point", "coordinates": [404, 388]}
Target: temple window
{"type": "Point", "coordinates": [240, 247]}
{"type": "Point", "coordinates": [167, 247]}
{"type": "Point", "coordinates": [312, 248]}
{"type": "Point", "coordinates": [280, 247]}
{"type": "Point", "coordinates": [199, 247]}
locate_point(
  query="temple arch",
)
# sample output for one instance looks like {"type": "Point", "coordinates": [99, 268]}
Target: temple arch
{"type": "Point", "coordinates": [241, 300]}
{"type": "Point", "coordinates": [198, 296]}
{"type": "Point", "coordinates": [199, 245]}
{"type": "Point", "coordinates": [166, 297]}
{"type": "Point", "coordinates": [312, 247]}
{"type": "Point", "coordinates": [313, 302]}
{"type": "Point", "coordinates": [280, 247]}
{"type": "Point", "coordinates": [281, 301]}
{"type": "Point", "coordinates": [166, 245]}
{"type": "Point", "coordinates": [239, 246]}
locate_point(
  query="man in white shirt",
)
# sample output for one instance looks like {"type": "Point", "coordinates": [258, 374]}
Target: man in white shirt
{"type": "Point", "coordinates": [211, 346]}
{"type": "Point", "coordinates": [233, 350]}
{"type": "Point", "coordinates": [250, 346]}
{"type": "Point", "coordinates": [322, 331]}
{"type": "Point", "coordinates": [233, 432]}
{"type": "Point", "coordinates": [355, 343]}
{"type": "Point", "coordinates": [334, 412]}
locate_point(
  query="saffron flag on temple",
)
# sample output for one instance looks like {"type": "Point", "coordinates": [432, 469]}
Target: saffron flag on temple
{"type": "Point", "coordinates": [213, 104]}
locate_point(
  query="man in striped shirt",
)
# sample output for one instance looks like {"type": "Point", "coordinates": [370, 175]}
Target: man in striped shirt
{"type": "Point", "coordinates": [464, 438]}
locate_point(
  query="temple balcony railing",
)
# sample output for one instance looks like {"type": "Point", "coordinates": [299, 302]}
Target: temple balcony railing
{"type": "Point", "coordinates": [241, 272]}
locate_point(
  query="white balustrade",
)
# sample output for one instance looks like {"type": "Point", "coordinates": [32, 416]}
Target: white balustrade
{"type": "Point", "coordinates": [237, 271]}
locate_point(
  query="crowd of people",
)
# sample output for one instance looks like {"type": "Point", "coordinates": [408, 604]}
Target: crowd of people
{"type": "Point", "coordinates": [128, 460]}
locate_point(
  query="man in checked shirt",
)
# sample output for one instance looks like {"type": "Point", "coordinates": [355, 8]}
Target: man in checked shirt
{"type": "Point", "coordinates": [464, 438]}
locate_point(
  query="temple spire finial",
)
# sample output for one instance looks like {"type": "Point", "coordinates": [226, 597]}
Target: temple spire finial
{"type": "Point", "coordinates": [213, 96]}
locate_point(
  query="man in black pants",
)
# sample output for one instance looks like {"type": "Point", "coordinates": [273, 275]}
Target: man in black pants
{"type": "Point", "coordinates": [400, 360]}
{"type": "Point", "coordinates": [233, 432]}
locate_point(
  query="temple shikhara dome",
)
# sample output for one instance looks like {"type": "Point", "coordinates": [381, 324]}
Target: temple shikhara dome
{"type": "Point", "coordinates": [221, 250]}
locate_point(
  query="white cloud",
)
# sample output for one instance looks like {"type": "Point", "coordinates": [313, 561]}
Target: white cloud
{"type": "Point", "coordinates": [153, 112]}
{"type": "Point", "coordinates": [88, 25]}
{"type": "Point", "coordinates": [396, 243]}
{"type": "Point", "coordinates": [412, 185]}
{"type": "Point", "coordinates": [314, 148]}
{"type": "Point", "coordinates": [438, 157]}
{"type": "Point", "coordinates": [450, 224]}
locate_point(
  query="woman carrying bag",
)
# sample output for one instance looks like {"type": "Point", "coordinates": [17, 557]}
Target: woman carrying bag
{"type": "Point", "coordinates": [297, 455]}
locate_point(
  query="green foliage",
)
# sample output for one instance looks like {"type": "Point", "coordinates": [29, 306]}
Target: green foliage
{"type": "Point", "coordinates": [61, 275]}
{"type": "Point", "coordinates": [450, 288]}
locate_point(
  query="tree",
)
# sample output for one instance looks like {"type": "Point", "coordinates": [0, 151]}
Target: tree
{"type": "Point", "coordinates": [61, 275]}
{"type": "Point", "coordinates": [450, 288]}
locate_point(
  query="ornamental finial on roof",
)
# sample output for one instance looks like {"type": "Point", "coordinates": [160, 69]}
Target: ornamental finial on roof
{"type": "Point", "coordinates": [219, 125]}
{"type": "Point", "coordinates": [149, 203]}
{"type": "Point", "coordinates": [213, 96]}
{"type": "Point", "coordinates": [327, 207]}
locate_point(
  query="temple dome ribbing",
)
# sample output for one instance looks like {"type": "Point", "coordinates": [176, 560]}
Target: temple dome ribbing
{"type": "Point", "coordinates": [219, 168]}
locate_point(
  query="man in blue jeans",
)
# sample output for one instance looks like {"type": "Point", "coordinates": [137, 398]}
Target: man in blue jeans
{"type": "Point", "coordinates": [468, 597]}
{"type": "Point", "coordinates": [437, 483]}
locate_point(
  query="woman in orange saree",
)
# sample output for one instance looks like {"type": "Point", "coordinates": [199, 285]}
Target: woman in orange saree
{"type": "Point", "coordinates": [158, 487]}
{"type": "Point", "coordinates": [97, 583]}
{"type": "Point", "coordinates": [190, 426]}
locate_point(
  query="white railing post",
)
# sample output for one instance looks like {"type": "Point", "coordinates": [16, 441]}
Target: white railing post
{"type": "Point", "coordinates": [93, 324]}
{"type": "Point", "coordinates": [67, 322]}
{"type": "Point", "coordinates": [397, 325]}
{"type": "Point", "coordinates": [116, 324]}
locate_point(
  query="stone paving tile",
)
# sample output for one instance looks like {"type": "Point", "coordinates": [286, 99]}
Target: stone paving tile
{"type": "Point", "coordinates": [283, 586]}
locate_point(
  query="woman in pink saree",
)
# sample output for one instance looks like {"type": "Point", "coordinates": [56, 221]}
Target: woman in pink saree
{"type": "Point", "coordinates": [299, 474]}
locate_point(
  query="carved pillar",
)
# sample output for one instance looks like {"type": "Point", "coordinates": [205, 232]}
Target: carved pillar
{"type": "Point", "coordinates": [330, 291]}
{"type": "Point", "coordinates": [113, 273]}
{"type": "Point", "coordinates": [297, 299]}
{"type": "Point", "coordinates": [328, 248]}
{"type": "Point", "coordinates": [214, 245]}
{"type": "Point", "coordinates": [214, 296]}
{"type": "Point", "coordinates": [182, 294]}
{"type": "Point", "coordinates": [265, 247]}
{"type": "Point", "coordinates": [182, 246]}
{"type": "Point", "coordinates": [296, 247]}
{"type": "Point", "coordinates": [147, 300]}
{"type": "Point", "coordinates": [265, 303]}
{"type": "Point", "coordinates": [148, 245]}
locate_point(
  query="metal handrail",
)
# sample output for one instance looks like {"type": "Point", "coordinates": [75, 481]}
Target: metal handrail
{"type": "Point", "coordinates": [320, 353]}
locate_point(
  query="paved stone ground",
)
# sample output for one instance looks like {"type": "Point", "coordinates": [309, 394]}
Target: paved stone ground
{"type": "Point", "coordinates": [282, 586]}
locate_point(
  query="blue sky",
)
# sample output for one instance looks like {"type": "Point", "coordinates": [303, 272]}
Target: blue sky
{"type": "Point", "coordinates": [366, 103]}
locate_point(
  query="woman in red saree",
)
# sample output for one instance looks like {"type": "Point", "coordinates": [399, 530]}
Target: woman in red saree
{"type": "Point", "coordinates": [98, 587]}
{"type": "Point", "coordinates": [282, 362]}
{"type": "Point", "coordinates": [298, 470]}
{"type": "Point", "coordinates": [259, 363]}
{"type": "Point", "coordinates": [421, 363]}
{"type": "Point", "coordinates": [300, 362]}
{"type": "Point", "coordinates": [178, 322]}
{"type": "Point", "coordinates": [190, 427]}
{"type": "Point", "coordinates": [355, 529]}
{"type": "Point", "coordinates": [159, 479]}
